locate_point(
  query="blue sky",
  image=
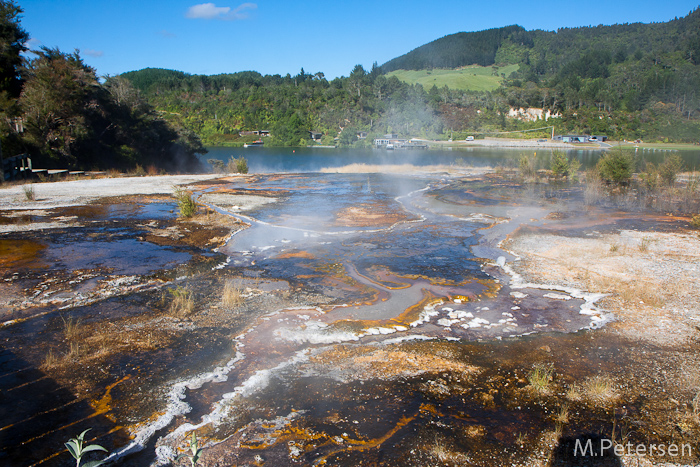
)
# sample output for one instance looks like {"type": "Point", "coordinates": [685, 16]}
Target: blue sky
{"type": "Point", "coordinates": [280, 37]}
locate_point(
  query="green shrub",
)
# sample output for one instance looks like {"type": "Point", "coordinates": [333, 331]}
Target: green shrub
{"type": "Point", "coordinates": [669, 168]}
{"type": "Point", "coordinates": [616, 167]}
{"type": "Point", "coordinates": [237, 165]}
{"type": "Point", "coordinates": [527, 166]}
{"type": "Point", "coordinates": [695, 222]}
{"type": "Point", "coordinates": [562, 166]}
{"type": "Point", "coordinates": [186, 203]}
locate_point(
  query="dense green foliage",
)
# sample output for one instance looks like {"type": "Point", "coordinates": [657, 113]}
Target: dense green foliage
{"type": "Point", "coordinates": [218, 107]}
{"type": "Point", "coordinates": [631, 81]}
{"type": "Point", "coordinates": [61, 114]}
{"type": "Point", "coordinates": [461, 49]}
{"type": "Point", "coordinates": [616, 167]}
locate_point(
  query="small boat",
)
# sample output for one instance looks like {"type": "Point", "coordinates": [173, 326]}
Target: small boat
{"type": "Point", "coordinates": [390, 146]}
{"type": "Point", "coordinates": [253, 144]}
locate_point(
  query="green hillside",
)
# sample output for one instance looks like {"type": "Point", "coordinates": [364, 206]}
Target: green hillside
{"type": "Point", "coordinates": [471, 78]}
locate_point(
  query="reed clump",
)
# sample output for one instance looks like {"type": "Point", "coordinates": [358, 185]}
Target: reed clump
{"type": "Point", "coordinates": [182, 304]}
{"type": "Point", "coordinates": [232, 295]}
{"type": "Point", "coordinates": [540, 378]}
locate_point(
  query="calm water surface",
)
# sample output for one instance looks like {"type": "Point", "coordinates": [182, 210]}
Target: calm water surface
{"type": "Point", "coordinates": [273, 160]}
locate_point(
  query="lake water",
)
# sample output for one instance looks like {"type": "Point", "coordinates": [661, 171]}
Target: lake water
{"type": "Point", "coordinates": [275, 160]}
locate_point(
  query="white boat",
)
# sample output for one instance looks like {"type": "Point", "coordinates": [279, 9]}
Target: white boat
{"type": "Point", "coordinates": [390, 146]}
{"type": "Point", "coordinates": [254, 144]}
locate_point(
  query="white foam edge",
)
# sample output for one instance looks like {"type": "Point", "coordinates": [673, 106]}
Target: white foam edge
{"type": "Point", "coordinates": [175, 407]}
{"type": "Point", "coordinates": [589, 298]}
{"type": "Point", "coordinates": [259, 380]}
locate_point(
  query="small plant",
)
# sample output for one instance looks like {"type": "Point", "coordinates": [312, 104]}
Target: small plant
{"type": "Point", "coordinates": [541, 377]}
{"type": "Point", "coordinates": [182, 304]}
{"type": "Point", "coordinates": [237, 165]}
{"type": "Point", "coordinates": [563, 415]}
{"type": "Point", "coordinates": [644, 244]}
{"type": "Point", "coordinates": [614, 248]}
{"type": "Point", "coordinates": [574, 393]}
{"type": "Point", "coordinates": [29, 193]}
{"type": "Point", "coordinates": [194, 449]}
{"type": "Point", "coordinates": [695, 222]}
{"type": "Point", "coordinates": [231, 296]}
{"type": "Point", "coordinates": [599, 389]}
{"type": "Point", "coordinates": [74, 352]}
{"type": "Point", "coordinates": [50, 360]}
{"type": "Point", "coordinates": [521, 439]}
{"type": "Point", "coordinates": [186, 203]}
{"type": "Point", "coordinates": [77, 450]}
{"type": "Point", "coordinates": [71, 328]}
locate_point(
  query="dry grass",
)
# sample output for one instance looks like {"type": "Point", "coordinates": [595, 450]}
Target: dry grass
{"type": "Point", "coordinates": [51, 360]}
{"type": "Point", "coordinates": [597, 389]}
{"type": "Point", "coordinates": [71, 328]}
{"type": "Point", "coordinates": [182, 304]}
{"type": "Point", "coordinates": [74, 351]}
{"type": "Point", "coordinates": [445, 455]}
{"type": "Point", "coordinates": [232, 295]}
{"type": "Point", "coordinates": [562, 416]}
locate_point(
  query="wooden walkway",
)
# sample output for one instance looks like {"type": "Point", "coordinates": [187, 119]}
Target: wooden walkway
{"type": "Point", "coordinates": [20, 167]}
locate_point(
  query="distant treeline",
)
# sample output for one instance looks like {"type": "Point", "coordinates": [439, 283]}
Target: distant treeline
{"type": "Point", "coordinates": [53, 107]}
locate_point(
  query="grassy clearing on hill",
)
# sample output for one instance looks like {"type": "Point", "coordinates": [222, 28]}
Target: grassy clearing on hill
{"type": "Point", "coordinates": [470, 78]}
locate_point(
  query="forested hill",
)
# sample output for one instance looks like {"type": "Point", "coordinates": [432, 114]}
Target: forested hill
{"type": "Point", "coordinates": [548, 51]}
{"type": "Point", "coordinates": [461, 49]}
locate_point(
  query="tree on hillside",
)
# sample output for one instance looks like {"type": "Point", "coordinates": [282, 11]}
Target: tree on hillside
{"type": "Point", "coordinates": [60, 95]}
{"type": "Point", "coordinates": [12, 40]}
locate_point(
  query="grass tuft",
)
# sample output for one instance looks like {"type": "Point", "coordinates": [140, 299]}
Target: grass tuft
{"type": "Point", "coordinates": [232, 295]}
{"type": "Point", "coordinates": [186, 203]}
{"type": "Point", "coordinates": [71, 328]}
{"type": "Point", "coordinates": [540, 378]}
{"type": "Point", "coordinates": [29, 193]}
{"type": "Point", "coordinates": [562, 416]}
{"type": "Point", "coordinates": [598, 390]}
{"type": "Point", "coordinates": [182, 304]}
{"type": "Point", "coordinates": [50, 360]}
